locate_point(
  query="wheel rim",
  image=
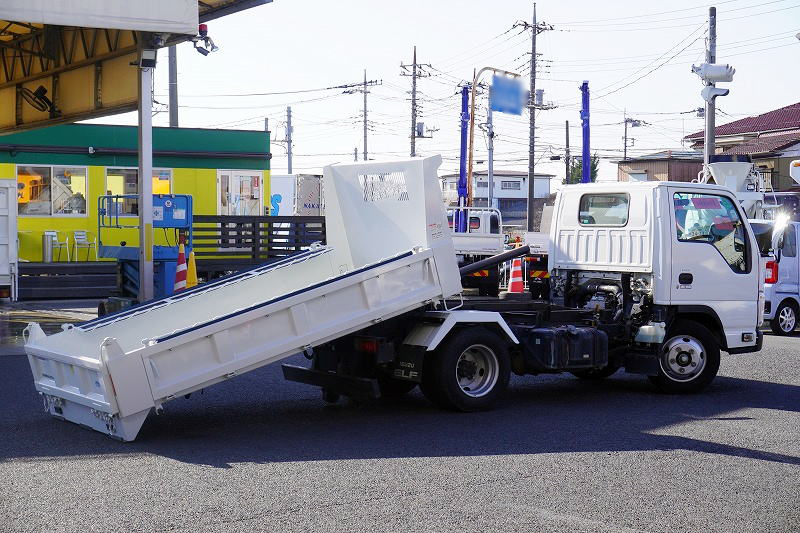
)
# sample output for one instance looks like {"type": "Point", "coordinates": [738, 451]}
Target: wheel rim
{"type": "Point", "coordinates": [787, 319]}
{"type": "Point", "coordinates": [477, 370]}
{"type": "Point", "coordinates": [683, 358]}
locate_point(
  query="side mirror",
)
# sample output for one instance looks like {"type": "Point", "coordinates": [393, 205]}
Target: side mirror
{"type": "Point", "coordinates": [506, 239]}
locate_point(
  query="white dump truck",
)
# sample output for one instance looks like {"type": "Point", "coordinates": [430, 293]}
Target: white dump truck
{"type": "Point", "coordinates": [653, 277]}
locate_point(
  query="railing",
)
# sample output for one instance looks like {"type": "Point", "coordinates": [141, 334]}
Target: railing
{"type": "Point", "coordinates": [231, 242]}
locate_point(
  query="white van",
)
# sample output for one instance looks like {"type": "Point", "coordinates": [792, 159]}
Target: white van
{"type": "Point", "coordinates": [781, 276]}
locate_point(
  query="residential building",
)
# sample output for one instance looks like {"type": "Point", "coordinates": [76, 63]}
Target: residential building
{"type": "Point", "coordinates": [669, 165]}
{"type": "Point", "coordinates": [772, 139]}
{"type": "Point", "coordinates": [509, 195]}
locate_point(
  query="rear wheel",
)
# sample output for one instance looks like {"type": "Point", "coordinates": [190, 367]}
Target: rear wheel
{"type": "Point", "coordinates": [468, 372]}
{"type": "Point", "coordinates": [689, 358]}
{"type": "Point", "coordinates": [785, 320]}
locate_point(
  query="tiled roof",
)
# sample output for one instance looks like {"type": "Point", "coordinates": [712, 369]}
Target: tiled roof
{"type": "Point", "coordinates": [780, 119]}
{"type": "Point", "coordinates": [765, 144]}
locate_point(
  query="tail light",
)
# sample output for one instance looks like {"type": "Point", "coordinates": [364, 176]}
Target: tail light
{"type": "Point", "coordinates": [367, 345]}
{"type": "Point", "coordinates": [771, 274]}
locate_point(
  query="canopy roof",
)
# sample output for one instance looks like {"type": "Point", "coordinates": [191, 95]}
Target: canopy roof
{"type": "Point", "coordinates": [69, 60]}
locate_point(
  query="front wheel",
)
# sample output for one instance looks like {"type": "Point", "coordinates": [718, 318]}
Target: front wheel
{"type": "Point", "coordinates": [468, 372]}
{"type": "Point", "coordinates": [689, 359]}
{"type": "Point", "coordinates": [785, 319]}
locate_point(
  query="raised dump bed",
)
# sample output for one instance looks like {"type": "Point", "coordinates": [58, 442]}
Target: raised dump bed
{"type": "Point", "coordinates": [389, 252]}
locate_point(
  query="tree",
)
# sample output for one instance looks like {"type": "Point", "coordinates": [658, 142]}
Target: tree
{"type": "Point", "coordinates": [576, 170]}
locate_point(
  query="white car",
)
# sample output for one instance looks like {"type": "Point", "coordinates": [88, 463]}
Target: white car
{"type": "Point", "coordinates": [782, 275]}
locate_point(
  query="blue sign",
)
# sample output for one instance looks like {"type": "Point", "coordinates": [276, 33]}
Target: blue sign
{"type": "Point", "coordinates": [507, 95]}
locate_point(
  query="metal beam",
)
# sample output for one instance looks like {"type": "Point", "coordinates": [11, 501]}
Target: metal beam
{"type": "Point", "coordinates": [229, 9]}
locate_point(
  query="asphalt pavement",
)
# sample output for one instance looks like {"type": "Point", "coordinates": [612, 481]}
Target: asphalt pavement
{"type": "Point", "coordinates": [257, 453]}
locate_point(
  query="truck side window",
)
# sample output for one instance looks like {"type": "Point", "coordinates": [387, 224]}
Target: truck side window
{"type": "Point", "coordinates": [714, 220]}
{"type": "Point", "coordinates": [789, 247]}
{"type": "Point", "coordinates": [607, 209]}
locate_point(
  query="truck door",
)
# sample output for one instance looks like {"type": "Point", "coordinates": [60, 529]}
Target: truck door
{"type": "Point", "coordinates": [715, 263]}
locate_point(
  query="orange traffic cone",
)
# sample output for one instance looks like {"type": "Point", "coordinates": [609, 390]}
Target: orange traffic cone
{"type": "Point", "coordinates": [180, 268]}
{"type": "Point", "coordinates": [516, 284]}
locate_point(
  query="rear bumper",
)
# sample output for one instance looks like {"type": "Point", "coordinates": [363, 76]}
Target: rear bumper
{"type": "Point", "coordinates": [750, 349]}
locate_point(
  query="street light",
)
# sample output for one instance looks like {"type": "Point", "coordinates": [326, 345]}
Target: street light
{"type": "Point", "coordinates": [472, 122]}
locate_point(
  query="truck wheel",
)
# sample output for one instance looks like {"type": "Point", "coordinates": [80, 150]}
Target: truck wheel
{"type": "Point", "coordinates": [468, 372]}
{"type": "Point", "coordinates": [785, 319]}
{"type": "Point", "coordinates": [596, 373]}
{"type": "Point", "coordinates": [689, 358]}
{"type": "Point", "coordinates": [394, 388]}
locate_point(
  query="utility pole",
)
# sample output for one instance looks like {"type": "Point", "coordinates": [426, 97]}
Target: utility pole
{"type": "Point", "coordinates": [417, 70]}
{"type": "Point", "coordinates": [173, 87]}
{"type": "Point", "coordinates": [536, 28]}
{"type": "Point", "coordinates": [566, 156]}
{"type": "Point", "coordinates": [711, 58]}
{"type": "Point", "coordinates": [490, 172]}
{"type": "Point", "coordinates": [625, 139]}
{"type": "Point", "coordinates": [364, 90]}
{"type": "Point", "coordinates": [289, 138]}
{"type": "Point", "coordinates": [634, 123]}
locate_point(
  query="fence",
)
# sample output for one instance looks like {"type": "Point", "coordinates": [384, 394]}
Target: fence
{"type": "Point", "coordinates": [224, 243]}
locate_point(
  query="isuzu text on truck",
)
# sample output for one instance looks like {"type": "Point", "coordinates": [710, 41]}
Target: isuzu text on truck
{"type": "Point", "coordinates": [654, 277]}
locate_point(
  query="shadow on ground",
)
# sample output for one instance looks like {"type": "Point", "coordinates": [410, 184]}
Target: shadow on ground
{"type": "Point", "coordinates": [259, 417]}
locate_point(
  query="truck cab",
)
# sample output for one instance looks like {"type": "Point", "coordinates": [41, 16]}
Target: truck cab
{"type": "Point", "coordinates": [483, 238]}
{"type": "Point", "coordinates": [685, 255]}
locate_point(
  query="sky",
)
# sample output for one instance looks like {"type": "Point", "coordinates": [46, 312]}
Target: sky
{"type": "Point", "coordinates": [636, 56]}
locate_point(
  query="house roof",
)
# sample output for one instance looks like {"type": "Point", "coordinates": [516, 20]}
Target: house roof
{"type": "Point", "coordinates": [685, 155]}
{"type": "Point", "coordinates": [765, 144]}
{"type": "Point", "coordinates": [785, 118]}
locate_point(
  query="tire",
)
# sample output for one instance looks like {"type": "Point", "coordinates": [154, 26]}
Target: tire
{"type": "Point", "coordinates": [785, 320]}
{"type": "Point", "coordinates": [395, 388]}
{"type": "Point", "coordinates": [689, 359]}
{"type": "Point", "coordinates": [595, 374]}
{"type": "Point", "coordinates": [468, 372]}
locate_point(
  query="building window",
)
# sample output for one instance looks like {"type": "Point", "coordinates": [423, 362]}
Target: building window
{"type": "Point", "coordinates": [125, 181]}
{"type": "Point", "coordinates": [483, 185]}
{"type": "Point", "coordinates": [604, 209]}
{"type": "Point", "coordinates": [69, 191]}
{"type": "Point", "coordinates": [46, 191]}
{"type": "Point", "coordinates": [510, 185]}
{"type": "Point", "coordinates": [452, 185]}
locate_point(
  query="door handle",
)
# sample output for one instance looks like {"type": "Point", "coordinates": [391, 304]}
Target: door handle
{"type": "Point", "coordinates": [685, 278]}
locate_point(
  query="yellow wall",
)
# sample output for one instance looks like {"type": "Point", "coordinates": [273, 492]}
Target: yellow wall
{"type": "Point", "coordinates": [201, 184]}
